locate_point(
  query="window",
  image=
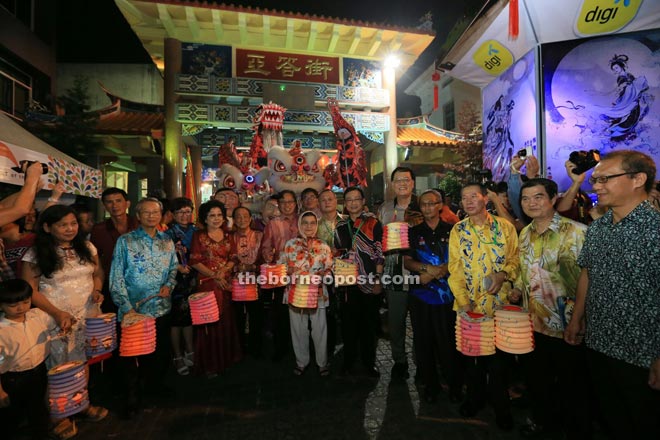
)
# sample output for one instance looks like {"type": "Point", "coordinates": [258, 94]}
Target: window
{"type": "Point", "coordinates": [144, 187]}
{"type": "Point", "coordinates": [15, 96]}
{"type": "Point", "coordinates": [448, 116]}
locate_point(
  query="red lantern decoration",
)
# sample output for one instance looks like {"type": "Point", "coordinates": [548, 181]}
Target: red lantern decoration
{"type": "Point", "coordinates": [436, 99]}
{"type": "Point", "coordinates": [514, 20]}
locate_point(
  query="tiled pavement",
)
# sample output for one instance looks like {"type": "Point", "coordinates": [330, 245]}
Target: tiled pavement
{"type": "Point", "coordinates": [261, 400]}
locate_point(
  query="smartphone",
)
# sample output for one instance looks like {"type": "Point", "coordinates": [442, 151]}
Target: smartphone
{"type": "Point", "coordinates": [487, 282]}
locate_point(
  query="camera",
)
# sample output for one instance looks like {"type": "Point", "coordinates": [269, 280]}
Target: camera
{"type": "Point", "coordinates": [584, 160]}
{"type": "Point", "coordinates": [485, 177]}
{"type": "Point", "coordinates": [23, 165]}
{"type": "Point", "coordinates": [524, 152]}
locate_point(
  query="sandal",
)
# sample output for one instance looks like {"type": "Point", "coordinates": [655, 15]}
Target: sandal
{"type": "Point", "coordinates": [324, 371]}
{"type": "Point", "coordinates": [298, 371]}
{"type": "Point", "coordinates": [188, 358]}
{"type": "Point", "coordinates": [93, 414]}
{"type": "Point", "coordinates": [181, 367]}
{"type": "Point", "coordinates": [65, 430]}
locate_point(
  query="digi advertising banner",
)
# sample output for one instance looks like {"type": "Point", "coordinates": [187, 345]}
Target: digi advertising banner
{"type": "Point", "coordinates": [509, 119]}
{"type": "Point", "coordinates": [600, 94]}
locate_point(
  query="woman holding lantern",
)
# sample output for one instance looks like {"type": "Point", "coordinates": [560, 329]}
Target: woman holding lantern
{"type": "Point", "coordinates": [64, 272]}
{"type": "Point", "coordinates": [217, 345]}
{"type": "Point", "coordinates": [308, 259]}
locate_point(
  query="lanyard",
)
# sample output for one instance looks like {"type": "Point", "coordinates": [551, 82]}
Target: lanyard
{"type": "Point", "coordinates": [354, 236]}
{"type": "Point", "coordinates": [495, 234]}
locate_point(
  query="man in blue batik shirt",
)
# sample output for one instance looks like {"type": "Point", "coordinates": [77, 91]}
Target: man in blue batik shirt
{"type": "Point", "coordinates": [430, 302]}
{"type": "Point", "coordinates": [143, 273]}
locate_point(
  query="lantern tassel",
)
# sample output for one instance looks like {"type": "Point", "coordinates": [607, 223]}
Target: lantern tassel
{"type": "Point", "coordinates": [436, 99]}
{"type": "Point", "coordinates": [514, 20]}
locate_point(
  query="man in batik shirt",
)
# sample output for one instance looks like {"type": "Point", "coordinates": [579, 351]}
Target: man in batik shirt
{"type": "Point", "coordinates": [549, 248]}
{"type": "Point", "coordinates": [618, 297]}
{"type": "Point", "coordinates": [483, 259]}
{"type": "Point", "coordinates": [143, 273]}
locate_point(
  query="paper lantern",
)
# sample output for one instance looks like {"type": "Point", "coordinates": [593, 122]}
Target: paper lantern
{"type": "Point", "coordinates": [346, 272]}
{"type": "Point", "coordinates": [304, 295]}
{"type": "Point", "coordinates": [514, 331]}
{"type": "Point", "coordinates": [475, 334]}
{"type": "Point", "coordinates": [274, 275]}
{"type": "Point", "coordinates": [138, 335]}
{"type": "Point", "coordinates": [204, 308]}
{"type": "Point", "coordinates": [243, 292]}
{"type": "Point", "coordinates": [395, 236]}
{"type": "Point", "coordinates": [67, 389]}
{"type": "Point", "coordinates": [100, 335]}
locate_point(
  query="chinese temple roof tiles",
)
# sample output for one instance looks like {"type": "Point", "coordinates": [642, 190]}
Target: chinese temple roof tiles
{"type": "Point", "coordinates": [419, 132]}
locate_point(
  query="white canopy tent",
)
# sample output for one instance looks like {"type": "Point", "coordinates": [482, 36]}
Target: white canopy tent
{"type": "Point", "coordinates": [541, 21]}
{"type": "Point", "coordinates": [17, 144]}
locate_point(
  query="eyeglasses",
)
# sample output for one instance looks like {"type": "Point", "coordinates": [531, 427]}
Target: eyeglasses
{"type": "Point", "coordinates": [605, 179]}
{"type": "Point", "coordinates": [400, 181]}
{"type": "Point", "coordinates": [352, 200]}
{"type": "Point", "coordinates": [286, 202]}
{"type": "Point", "coordinates": [183, 212]}
{"type": "Point", "coordinates": [429, 204]}
{"type": "Point", "coordinates": [150, 213]}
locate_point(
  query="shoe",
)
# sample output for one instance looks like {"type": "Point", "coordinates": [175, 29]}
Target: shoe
{"type": "Point", "coordinates": [181, 366]}
{"type": "Point", "coordinates": [430, 395]}
{"type": "Point", "coordinates": [324, 371]}
{"type": "Point", "coordinates": [189, 358]}
{"type": "Point", "coordinates": [373, 373]}
{"type": "Point", "coordinates": [455, 396]}
{"type": "Point", "coordinates": [532, 430]}
{"type": "Point", "coordinates": [93, 414]}
{"type": "Point", "coordinates": [346, 371]}
{"type": "Point", "coordinates": [65, 429]}
{"type": "Point", "coordinates": [400, 371]}
{"type": "Point", "coordinates": [469, 409]}
{"type": "Point", "coordinates": [504, 421]}
{"type": "Point", "coordinates": [298, 370]}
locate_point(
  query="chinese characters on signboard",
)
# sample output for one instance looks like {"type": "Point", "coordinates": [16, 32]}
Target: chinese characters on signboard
{"type": "Point", "coordinates": [289, 67]}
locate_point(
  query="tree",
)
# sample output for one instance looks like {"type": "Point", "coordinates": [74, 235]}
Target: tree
{"type": "Point", "coordinates": [73, 131]}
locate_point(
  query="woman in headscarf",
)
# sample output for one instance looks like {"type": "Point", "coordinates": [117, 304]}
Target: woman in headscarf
{"type": "Point", "coordinates": [309, 257]}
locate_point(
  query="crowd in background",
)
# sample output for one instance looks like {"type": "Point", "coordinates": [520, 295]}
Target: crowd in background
{"type": "Point", "coordinates": [592, 291]}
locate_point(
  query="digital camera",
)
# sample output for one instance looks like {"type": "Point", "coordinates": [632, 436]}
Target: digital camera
{"type": "Point", "coordinates": [584, 160]}
{"type": "Point", "coordinates": [23, 165]}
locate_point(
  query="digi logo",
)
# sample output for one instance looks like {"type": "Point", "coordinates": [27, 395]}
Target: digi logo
{"type": "Point", "coordinates": [493, 57]}
{"type": "Point", "coordinates": [605, 16]}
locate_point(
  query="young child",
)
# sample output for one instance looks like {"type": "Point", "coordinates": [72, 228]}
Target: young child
{"type": "Point", "coordinates": [23, 351]}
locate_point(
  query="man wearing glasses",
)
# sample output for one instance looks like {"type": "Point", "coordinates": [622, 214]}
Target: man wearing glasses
{"type": "Point", "coordinates": [143, 274]}
{"type": "Point", "coordinates": [403, 208]}
{"type": "Point", "coordinates": [431, 301]}
{"type": "Point", "coordinates": [278, 231]}
{"type": "Point", "coordinates": [617, 306]}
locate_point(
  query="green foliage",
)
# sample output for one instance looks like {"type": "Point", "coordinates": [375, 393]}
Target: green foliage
{"type": "Point", "coordinates": [451, 185]}
{"type": "Point", "coordinates": [73, 132]}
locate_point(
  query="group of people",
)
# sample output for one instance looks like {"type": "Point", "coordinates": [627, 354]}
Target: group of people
{"type": "Point", "coordinates": [591, 292]}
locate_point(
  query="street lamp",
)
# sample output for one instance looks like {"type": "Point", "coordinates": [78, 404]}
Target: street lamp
{"type": "Point", "coordinates": [392, 61]}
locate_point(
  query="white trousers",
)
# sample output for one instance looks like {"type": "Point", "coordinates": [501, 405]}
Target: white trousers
{"type": "Point", "coordinates": [300, 319]}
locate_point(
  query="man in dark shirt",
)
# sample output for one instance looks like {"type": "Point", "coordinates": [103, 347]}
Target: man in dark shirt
{"type": "Point", "coordinates": [431, 301]}
{"type": "Point", "coordinates": [104, 235]}
{"type": "Point", "coordinates": [358, 238]}
{"type": "Point", "coordinates": [617, 305]}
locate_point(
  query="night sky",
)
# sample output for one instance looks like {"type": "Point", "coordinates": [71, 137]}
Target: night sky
{"type": "Point", "coordinates": [96, 32]}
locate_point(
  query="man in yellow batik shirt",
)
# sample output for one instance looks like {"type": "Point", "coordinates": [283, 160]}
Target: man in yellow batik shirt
{"type": "Point", "coordinates": [483, 261]}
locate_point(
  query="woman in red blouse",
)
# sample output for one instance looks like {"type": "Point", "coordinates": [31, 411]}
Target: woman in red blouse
{"type": "Point", "coordinates": [217, 345]}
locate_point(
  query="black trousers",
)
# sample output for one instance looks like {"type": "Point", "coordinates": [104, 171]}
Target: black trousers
{"type": "Point", "coordinates": [628, 406]}
{"type": "Point", "coordinates": [331, 320]}
{"type": "Point", "coordinates": [359, 324]}
{"type": "Point", "coordinates": [278, 316]}
{"type": "Point", "coordinates": [254, 312]}
{"type": "Point", "coordinates": [27, 396]}
{"type": "Point", "coordinates": [557, 380]}
{"type": "Point", "coordinates": [486, 378]}
{"type": "Point", "coordinates": [434, 341]}
{"type": "Point", "coordinates": [148, 370]}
